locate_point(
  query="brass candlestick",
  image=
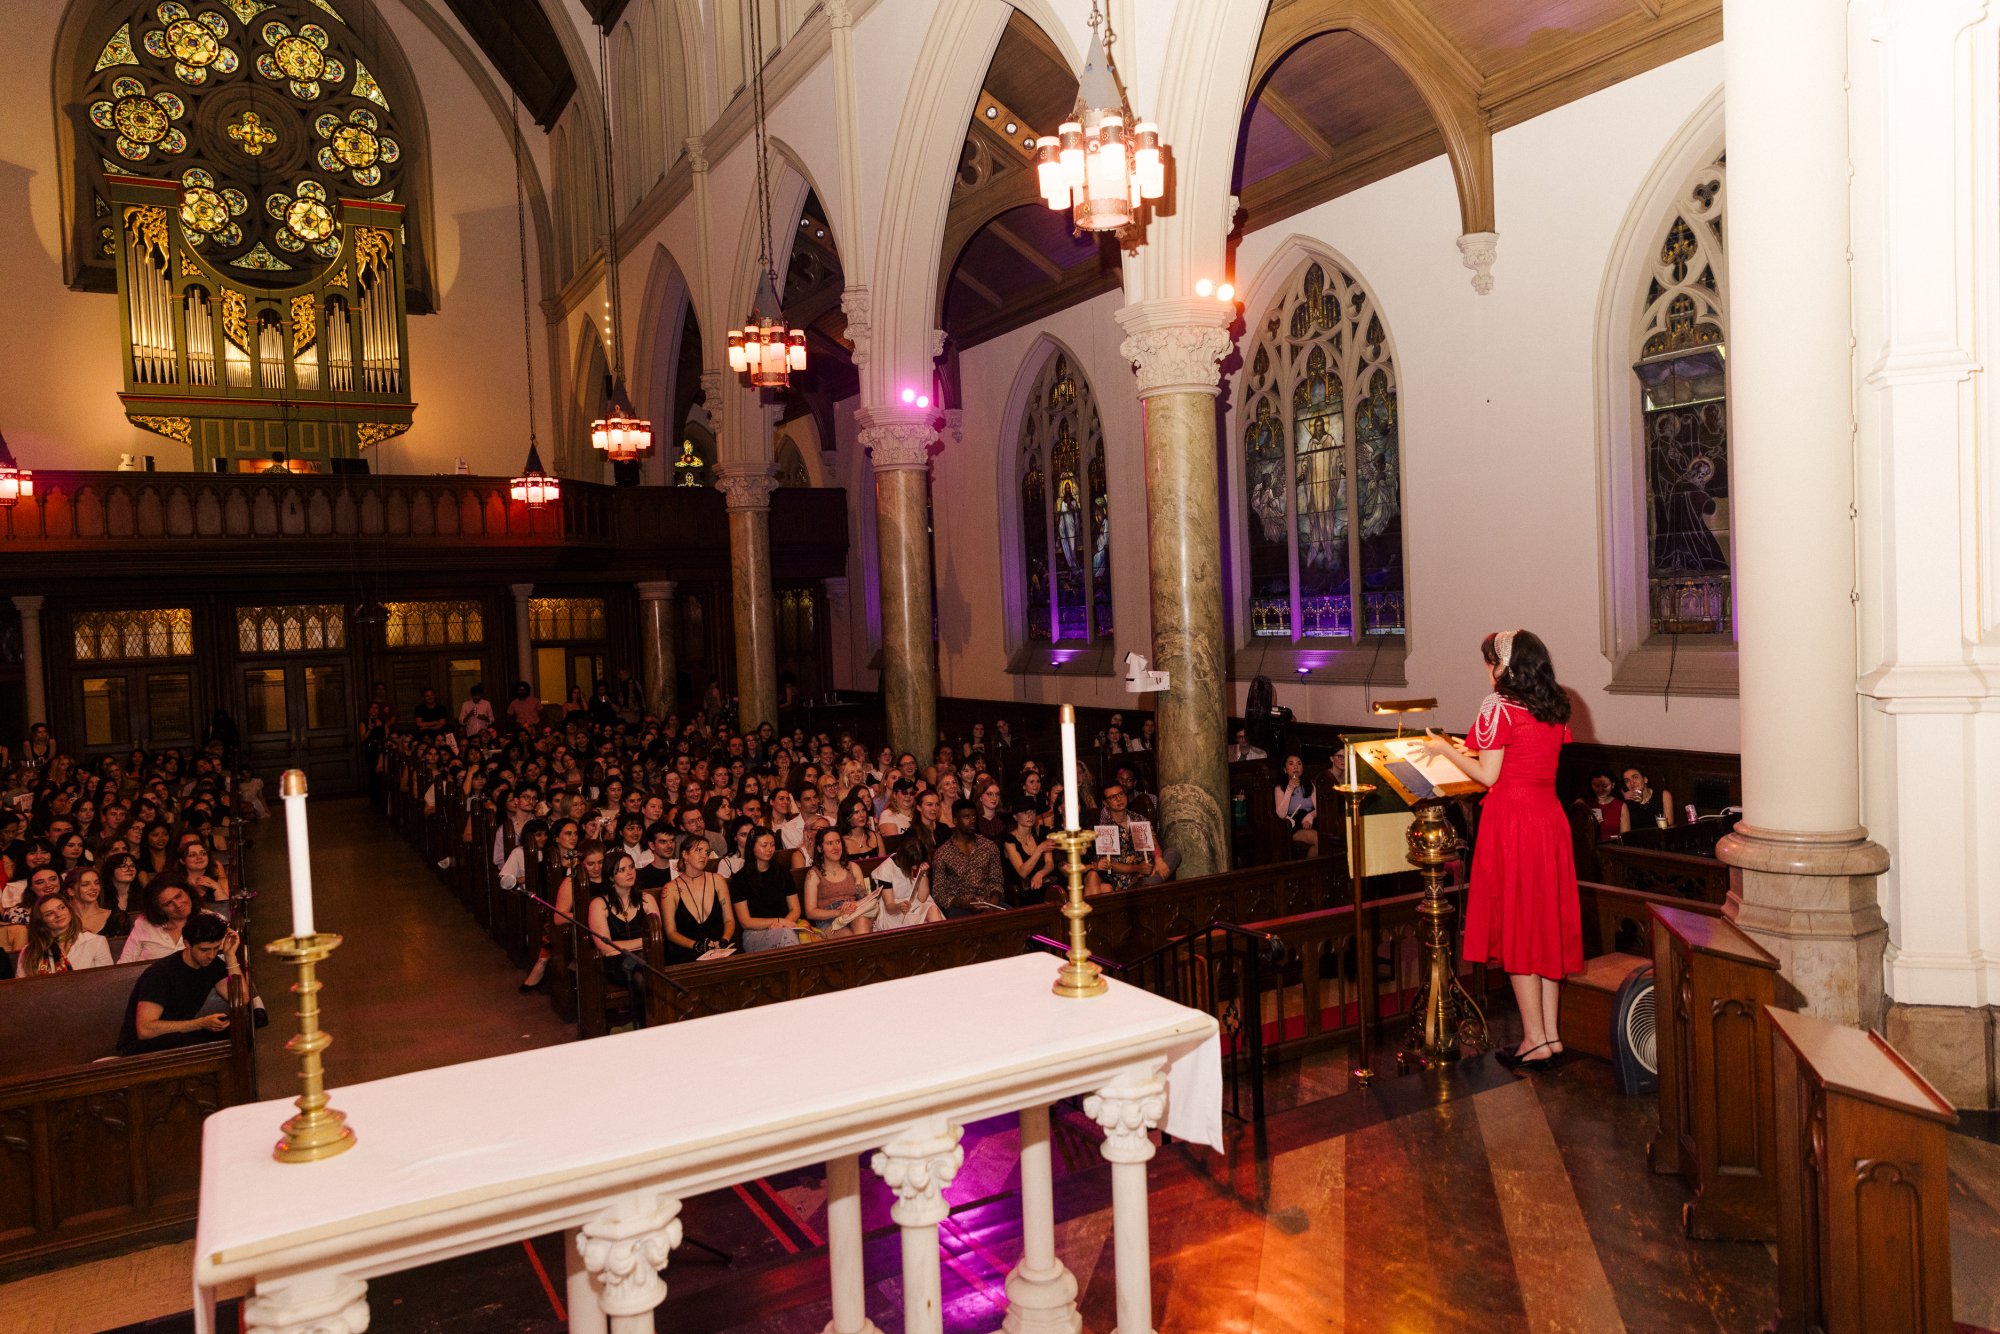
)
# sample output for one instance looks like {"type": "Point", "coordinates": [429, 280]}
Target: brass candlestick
{"type": "Point", "coordinates": [1078, 977]}
{"type": "Point", "coordinates": [1364, 931]}
{"type": "Point", "coordinates": [1444, 1019]}
{"type": "Point", "coordinates": [318, 1131]}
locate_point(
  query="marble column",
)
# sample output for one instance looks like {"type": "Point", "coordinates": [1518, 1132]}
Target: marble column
{"type": "Point", "coordinates": [839, 608]}
{"type": "Point", "coordinates": [524, 636]}
{"type": "Point", "coordinates": [899, 443]}
{"type": "Point", "coordinates": [917, 1165]}
{"type": "Point", "coordinates": [624, 1249]}
{"type": "Point", "coordinates": [1127, 1108]}
{"type": "Point", "coordinates": [656, 643]}
{"type": "Point", "coordinates": [844, 1243]}
{"type": "Point", "coordinates": [1806, 868]}
{"type": "Point", "coordinates": [34, 684]}
{"type": "Point", "coordinates": [1175, 347]}
{"type": "Point", "coordinates": [748, 489]}
{"type": "Point", "coordinates": [1041, 1292]}
{"type": "Point", "coordinates": [308, 1304]}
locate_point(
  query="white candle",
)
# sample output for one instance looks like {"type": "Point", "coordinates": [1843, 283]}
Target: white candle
{"type": "Point", "coordinates": [1352, 768]}
{"type": "Point", "coordinates": [1070, 819]}
{"type": "Point", "coordinates": [293, 788]}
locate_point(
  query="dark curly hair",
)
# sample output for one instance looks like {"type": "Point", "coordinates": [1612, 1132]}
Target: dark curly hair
{"type": "Point", "coordinates": [1529, 677]}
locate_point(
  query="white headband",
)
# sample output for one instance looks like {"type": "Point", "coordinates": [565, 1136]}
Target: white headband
{"type": "Point", "coordinates": [1503, 647]}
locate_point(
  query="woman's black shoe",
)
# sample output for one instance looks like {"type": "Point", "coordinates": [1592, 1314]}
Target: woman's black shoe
{"type": "Point", "coordinates": [1513, 1060]}
{"type": "Point", "coordinates": [1539, 1065]}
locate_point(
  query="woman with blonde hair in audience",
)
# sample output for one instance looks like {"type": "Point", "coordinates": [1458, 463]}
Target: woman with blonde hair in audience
{"type": "Point", "coordinates": [56, 944]}
{"type": "Point", "coordinates": [833, 889]}
{"type": "Point", "coordinates": [84, 890]}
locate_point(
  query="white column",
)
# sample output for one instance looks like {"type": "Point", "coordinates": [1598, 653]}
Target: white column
{"type": "Point", "coordinates": [624, 1249]}
{"type": "Point", "coordinates": [34, 684]}
{"type": "Point", "coordinates": [1127, 1108]}
{"type": "Point", "coordinates": [656, 644]}
{"type": "Point", "coordinates": [1807, 887]}
{"type": "Point", "coordinates": [1041, 1292]}
{"type": "Point", "coordinates": [308, 1304]}
{"type": "Point", "coordinates": [585, 1315]}
{"type": "Point", "coordinates": [843, 1248]}
{"type": "Point", "coordinates": [524, 640]}
{"type": "Point", "coordinates": [918, 1164]}
{"type": "Point", "coordinates": [1923, 251]}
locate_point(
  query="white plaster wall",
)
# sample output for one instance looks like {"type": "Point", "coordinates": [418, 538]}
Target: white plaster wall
{"type": "Point", "coordinates": [1499, 441]}
{"type": "Point", "coordinates": [59, 350]}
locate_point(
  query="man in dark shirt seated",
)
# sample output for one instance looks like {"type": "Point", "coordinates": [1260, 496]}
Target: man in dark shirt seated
{"type": "Point", "coordinates": [165, 1009]}
{"type": "Point", "coordinates": [965, 868]}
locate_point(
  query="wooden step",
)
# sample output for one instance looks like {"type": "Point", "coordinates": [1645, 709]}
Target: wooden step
{"type": "Point", "coordinates": [1590, 997]}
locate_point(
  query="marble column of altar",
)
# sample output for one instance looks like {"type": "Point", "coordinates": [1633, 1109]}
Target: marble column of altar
{"type": "Point", "coordinates": [899, 444]}
{"type": "Point", "coordinates": [1175, 347]}
{"type": "Point", "coordinates": [748, 490]}
{"type": "Point", "coordinates": [656, 644]}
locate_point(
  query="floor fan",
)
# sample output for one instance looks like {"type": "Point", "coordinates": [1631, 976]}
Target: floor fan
{"type": "Point", "coordinates": [1634, 1054]}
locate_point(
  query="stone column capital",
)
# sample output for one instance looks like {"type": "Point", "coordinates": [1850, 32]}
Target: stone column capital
{"type": "Point", "coordinates": [1478, 250]}
{"type": "Point", "coordinates": [839, 13]}
{"type": "Point", "coordinates": [331, 1304]}
{"type": "Point", "coordinates": [917, 1165]}
{"type": "Point", "coordinates": [854, 304]}
{"type": "Point", "coordinates": [29, 604]}
{"type": "Point", "coordinates": [521, 592]}
{"type": "Point", "coordinates": [1127, 1108]}
{"type": "Point", "coordinates": [898, 439]}
{"type": "Point", "coordinates": [1175, 345]}
{"type": "Point", "coordinates": [697, 152]}
{"type": "Point", "coordinates": [746, 486]}
{"type": "Point", "coordinates": [626, 1246]}
{"type": "Point", "coordinates": [655, 590]}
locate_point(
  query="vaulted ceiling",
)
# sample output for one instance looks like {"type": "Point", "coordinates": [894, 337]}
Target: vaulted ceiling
{"type": "Point", "coordinates": [1344, 93]}
{"type": "Point", "coordinates": [518, 38]}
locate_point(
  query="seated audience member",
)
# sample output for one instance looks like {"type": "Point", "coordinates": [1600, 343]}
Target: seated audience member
{"type": "Point", "coordinates": [900, 810]}
{"type": "Point", "coordinates": [767, 902]}
{"type": "Point", "coordinates": [695, 825]}
{"type": "Point", "coordinates": [857, 829]}
{"type": "Point", "coordinates": [1296, 804]}
{"type": "Point", "coordinates": [736, 834]}
{"type": "Point", "coordinates": [534, 842]}
{"type": "Point", "coordinates": [84, 889]}
{"type": "Point", "coordinates": [57, 944]}
{"type": "Point", "coordinates": [993, 822]}
{"type": "Point", "coordinates": [617, 919]}
{"type": "Point", "coordinates": [965, 868]}
{"type": "Point", "coordinates": [834, 897]}
{"type": "Point", "coordinates": [659, 871]}
{"type": "Point", "coordinates": [120, 873]}
{"type": "Point", "coordinates": [1645, 806]}
{"type": "Point", "coordinates": [903, 881]}
{"type": "Point", "coordinates": [196, 871]}
{"type": "Point", "coordinates": [160, 929]}
{"type": "Point", "coordinates": [1606, 808]}
{"type": "Point", "coordinates": [697, 915]}
{"type": "Point", "coordinates": [1137, 800]}
{"type": "Point", "coordinates": [1030, 857]}
{"type": "Point", "coordinates": [1130, 865]}
{"type": "Point", "coordinates": [1241, 749]}
{"type": "Point", "coordinates": [928, 823]}
{"type": "Point", "coordinates": [171, 1002]}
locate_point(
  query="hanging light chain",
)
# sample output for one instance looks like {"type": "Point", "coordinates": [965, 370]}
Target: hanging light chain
{"type": "Point", "coordinates": [610, 213]}
{"type": "Point", "coordinates": [763, 143]}
{"type": "Point", "coordinates": [521, 229]}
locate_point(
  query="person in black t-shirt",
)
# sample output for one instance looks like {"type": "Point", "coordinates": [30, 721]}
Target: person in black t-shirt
{"type": "Point", "coordinates": [165, 1009]}
{"type": "Point", "coordinates": [659, 873]}
{"type": "Point", "coordinates": [430, 715]}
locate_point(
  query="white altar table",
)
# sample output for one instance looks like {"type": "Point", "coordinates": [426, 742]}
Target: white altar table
{"type": "Point", "coordinates": [603, 1139]}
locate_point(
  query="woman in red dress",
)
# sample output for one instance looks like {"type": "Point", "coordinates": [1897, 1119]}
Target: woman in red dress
{"type": "Point", "coordinates": [1522, 912]}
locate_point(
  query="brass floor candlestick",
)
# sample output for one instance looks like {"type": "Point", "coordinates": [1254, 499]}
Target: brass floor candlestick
{"type": "Point", "coordinates": [1445, 1022]}
{"type": "Point", "coordinates": [1078, 977]}
{"type": "Point", "coordinates": [318, 1131]}
{"type": "Point", "coordinates": [1357, 794]}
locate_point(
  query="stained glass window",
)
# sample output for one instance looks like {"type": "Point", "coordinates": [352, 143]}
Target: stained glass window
{"type": "Point", "coordinates": [1683, 384]}
{"type": "Point", "coordinates": [565, 618]}
{"type": "Point", "coordinates": [434, 624]}
{"type": "Point", "coordinates": [309, 628]}
{"type": "Point", "coordinates": [133, 636]}
{"type": "Point", "coordinates": [1065, 509]}
{"type": "Point", "coordinates": [1322, 466]}
{"type": "Point", "coordinates": [262, 111]}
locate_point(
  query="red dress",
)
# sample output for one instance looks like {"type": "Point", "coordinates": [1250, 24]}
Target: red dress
{"type": "Point", "coordinates": [1522, 912]}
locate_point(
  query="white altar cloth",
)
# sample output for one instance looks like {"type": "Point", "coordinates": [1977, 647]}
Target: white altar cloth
{"type": "Point", "coordinates": [485, 1149]}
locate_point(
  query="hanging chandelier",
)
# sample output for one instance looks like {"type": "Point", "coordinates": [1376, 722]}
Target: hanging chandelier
{"type": "Point", "coordinates": [533, 488]}
{"type": "Point", "coordinates": [16, 482]}
{"type": "Point", "coordinates": [766, 350]}
{"type": "Point", "coordinates": [1101, 165]}
{"type": "Point", "coordinates": [621, 434]}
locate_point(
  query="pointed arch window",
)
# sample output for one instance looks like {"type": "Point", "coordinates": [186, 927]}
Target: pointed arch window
{"type": "Point", "coordinates": [1681, 360]}
{"type": "Point", "coordinates": [1065, 510]}
{"type": "Point", "coordinates": [1323, 466]}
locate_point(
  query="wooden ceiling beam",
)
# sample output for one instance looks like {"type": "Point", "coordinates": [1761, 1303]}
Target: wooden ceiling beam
{"type": "Point", "coordinates": [1593, 61]}
{"type": "Point", "coordinates": [1382, 152]}
{"type": "Point", "coordinates": [1297, 122]}
{"type": "Point", "coordinates": [1020, 245]}
{"type": "Point", "coordinates": [979, 289]}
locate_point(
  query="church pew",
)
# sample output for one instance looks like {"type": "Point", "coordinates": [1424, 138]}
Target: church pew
{"type": "Point", "coordinates": [101, 1153]}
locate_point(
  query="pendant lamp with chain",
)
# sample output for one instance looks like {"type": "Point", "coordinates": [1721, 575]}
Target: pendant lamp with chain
{"type": "Point", "coordinates": [621, 434]}
{"type": "Point", "coordinates": [1101, 165]}
{"type": "Point", "coordinates": [765, 350]}
{"type": "Point", "coordinates": [534, 487]}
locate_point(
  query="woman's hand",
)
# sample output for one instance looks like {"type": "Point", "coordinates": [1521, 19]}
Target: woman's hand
{"type": "Point", "coordinates": [1437, 745]}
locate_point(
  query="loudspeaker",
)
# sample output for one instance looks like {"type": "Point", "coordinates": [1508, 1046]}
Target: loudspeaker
{"type": "Point", "coordinates": [1634, 1054]}
{"type": "Point", "coordinates": [342, 467]}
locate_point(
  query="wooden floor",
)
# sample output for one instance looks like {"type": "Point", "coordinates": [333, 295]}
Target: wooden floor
{"type": "Point", "coordinates": [1475, 1201]}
